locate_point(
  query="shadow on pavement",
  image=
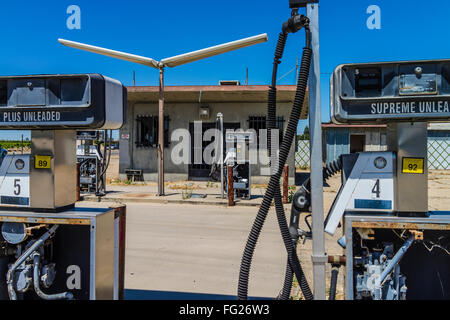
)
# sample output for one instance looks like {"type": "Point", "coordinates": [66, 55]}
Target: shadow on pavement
{"type": "Point", "coordinates": [135, 294]}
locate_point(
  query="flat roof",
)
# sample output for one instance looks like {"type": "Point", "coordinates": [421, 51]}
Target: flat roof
{"type": "Point", "coordinates": [206, 94]}
{"type": "Point", "coordinates": [333, 125]}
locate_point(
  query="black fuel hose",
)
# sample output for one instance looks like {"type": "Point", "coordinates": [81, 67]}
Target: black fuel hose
{"type": "Point", "coordinates": [271, 124]}
{"type": "Point", "coordinates": [287, 284]}
{"type": "Point", "coordinates": [332, 168]}
{"type": "Point", "coordinates": [333, 282]}
{"type": "Point", "coordinates": [293, 262]}
{"type": "Point", "coordinates": [281, 218]}
{"type": "Point", "coordinates": [274, 185]}
{"type": "Point", "coordinates": [329, 170]}
{"type": "Point", "coordinates": [272, 99]}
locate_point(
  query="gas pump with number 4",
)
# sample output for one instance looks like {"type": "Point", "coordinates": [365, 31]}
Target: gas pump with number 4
{"type": "Point", "coordinates": [395, 247]}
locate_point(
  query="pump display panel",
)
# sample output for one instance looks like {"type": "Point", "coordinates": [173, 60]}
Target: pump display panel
{"type": "Point", "coordinates": [390, 92]}
{"type": "Point", "coordinates": [82, 101]}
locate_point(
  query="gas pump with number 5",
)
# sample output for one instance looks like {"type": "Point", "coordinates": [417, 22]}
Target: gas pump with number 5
{"type": "Point", "coordinates": [49, 249]}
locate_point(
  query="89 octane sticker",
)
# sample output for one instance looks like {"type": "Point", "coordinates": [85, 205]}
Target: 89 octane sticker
{"type": "Point", "coordinates": [42, 162]}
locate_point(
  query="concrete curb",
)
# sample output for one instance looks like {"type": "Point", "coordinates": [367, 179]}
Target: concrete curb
{"type": "Point", "coordinates": [147, 200]}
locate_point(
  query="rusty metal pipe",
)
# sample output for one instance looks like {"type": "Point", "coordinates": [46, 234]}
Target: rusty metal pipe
{"type": "Point", "coordinates": [285, 183]}
{"type": "Point", "coordinates": [339, 260]}
{"type": "Point", "coordinates": [230, 186]}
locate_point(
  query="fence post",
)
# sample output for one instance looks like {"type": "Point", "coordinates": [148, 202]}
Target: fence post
{"type": "Point", "coordinates": [230, 186]}
{"type": "Point", "coordinates": [285, 183]}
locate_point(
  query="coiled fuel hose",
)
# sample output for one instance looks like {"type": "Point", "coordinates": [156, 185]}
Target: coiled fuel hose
{"type": "Point", "coordinates": [273, 190]}
{"type": "Point", "coordinates": [329, 170]}
{"type": "Point", "coordinates": [333, 281]}
{"type": "Point", "coordinates": [281, 218]}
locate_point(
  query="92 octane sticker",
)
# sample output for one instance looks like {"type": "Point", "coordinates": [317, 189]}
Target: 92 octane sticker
{"type": "Point", "coordinates": [413, 165]}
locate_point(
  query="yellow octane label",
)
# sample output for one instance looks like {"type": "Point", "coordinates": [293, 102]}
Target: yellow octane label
{"type": "Point", "coordinates": [42, 162]}
{"type": "Point", "coordinates": [413, 165]}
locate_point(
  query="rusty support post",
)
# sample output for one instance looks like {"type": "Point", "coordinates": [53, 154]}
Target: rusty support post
{"type": "Point", "coordinates": [78, 198]}
{"type": "Point", "coordinates": [161, 134]}
{"type": "Point", "coordinates": [285, 183]}
{"type": "Point", "coordinates": [230, 186]}
{"type": "Point", "coordinates": [121, 214]}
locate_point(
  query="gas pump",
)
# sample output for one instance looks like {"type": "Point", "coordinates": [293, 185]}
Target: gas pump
{"type": "Point", "coordinates": [237, 157]}
{"type": "Point", "coordinates": [395, 247]}
{"type": "Point", "coordinates": [49, 249]}
{"type": "Point", "coordinates": [93, 162]}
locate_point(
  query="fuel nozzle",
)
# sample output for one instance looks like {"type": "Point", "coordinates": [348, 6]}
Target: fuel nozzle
{"type": "Point", "coordinates": [295, 23]}
{"type": "Point", "coordinates": [300, 204]}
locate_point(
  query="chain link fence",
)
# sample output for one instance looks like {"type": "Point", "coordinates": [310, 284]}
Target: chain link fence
{"type": "Point", "coordinates": [302, 154]}
{"type": "Point", "coordinates": [438, 154]}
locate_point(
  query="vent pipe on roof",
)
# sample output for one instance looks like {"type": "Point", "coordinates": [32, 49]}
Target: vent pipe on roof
{"type": "Point", "coordinates": [229, 83]}
{"type": "Point", "coordinates": [246, 77]}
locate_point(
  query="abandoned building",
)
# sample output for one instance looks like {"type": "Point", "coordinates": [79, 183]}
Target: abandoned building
{"type": "Point", "coordinates": [242, 107]}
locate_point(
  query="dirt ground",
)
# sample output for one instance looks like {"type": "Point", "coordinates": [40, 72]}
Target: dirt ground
{"type": "Point", "coordinates": [113, 169]}
{"type": "Point", "coordinates": [439, 199]}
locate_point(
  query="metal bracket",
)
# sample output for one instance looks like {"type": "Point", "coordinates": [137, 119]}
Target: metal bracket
{"type": "Point", "coordinates": [418, 235]}
{"type": "Point", "coordinates": [319, 258]}
{"type": "Point", "coordinates": [366, 234]}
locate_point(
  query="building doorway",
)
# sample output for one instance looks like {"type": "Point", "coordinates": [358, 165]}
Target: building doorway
{"type": "Point", "coordinates": [357, 143]}
{"type": "Point", "coordinates": [200, 172]}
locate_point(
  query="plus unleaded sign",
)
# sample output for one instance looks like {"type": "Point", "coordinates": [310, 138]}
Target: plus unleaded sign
{"type": "Point", "coordinates": [83, 101]}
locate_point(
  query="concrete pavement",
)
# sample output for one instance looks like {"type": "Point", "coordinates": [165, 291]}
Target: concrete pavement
{"type": "Point", "coordinates": [198, 249]}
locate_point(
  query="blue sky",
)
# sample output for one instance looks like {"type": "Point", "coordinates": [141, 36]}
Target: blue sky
{"type": "Point", "coordinates": [155, 28]}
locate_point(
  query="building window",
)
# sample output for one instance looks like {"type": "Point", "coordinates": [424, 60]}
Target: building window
{"type": "Point", "coordinates": [147, 131]}
{"type": "Point", "coordinates": [260, 122]}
